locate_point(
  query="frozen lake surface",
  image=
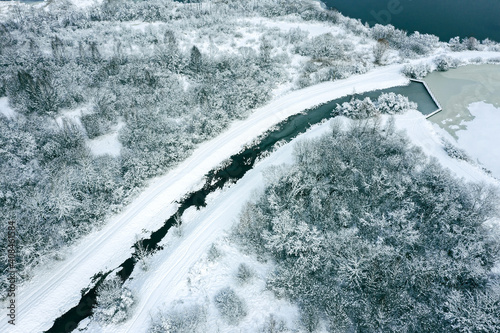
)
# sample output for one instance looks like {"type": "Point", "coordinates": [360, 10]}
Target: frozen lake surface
{"type": "Point", "coordinates": [444, 18]}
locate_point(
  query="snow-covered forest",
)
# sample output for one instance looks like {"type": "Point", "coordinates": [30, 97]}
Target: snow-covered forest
{"type": "Point", "coordinates": [108, 96]}
{"type": "Point", "coordinates": [154, 77]}
{"type": "Point", "coordinates": [99, 100]}
{"type": "Point", "coordinates": [367, 235]}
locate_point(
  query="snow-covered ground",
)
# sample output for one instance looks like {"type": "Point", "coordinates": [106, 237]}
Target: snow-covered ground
{"type": "Point", "coordinates": [107, 144]}
{"type": "Point", "coordinates": [72, 116]}
{"type": "Point", "coordinates": [56, 288]}
{"type": "Point", "coordinates": [5, 109]}
{"type": "Point", "coordinates": [482, 136]}
{"type": "Point", "coordinates": [429, 138]}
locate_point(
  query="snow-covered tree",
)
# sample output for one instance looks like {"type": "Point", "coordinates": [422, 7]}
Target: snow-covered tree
{"type": "Point", "coordinates": [114, 302]}
{"type": "Point", "coordinates": [186, 320]}
{"type": "Point", "coordinates": [231, 307]}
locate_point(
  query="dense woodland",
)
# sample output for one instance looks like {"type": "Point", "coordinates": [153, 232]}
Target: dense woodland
{"type": "Point", "coordinates": [369, 235]}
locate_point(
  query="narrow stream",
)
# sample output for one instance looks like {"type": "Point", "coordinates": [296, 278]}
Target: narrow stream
{"type": "Point", "coordinates": [230, 172]}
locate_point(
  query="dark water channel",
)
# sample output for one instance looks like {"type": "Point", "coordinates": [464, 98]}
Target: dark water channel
{"type": "Point", "coordinates": [230, 172]}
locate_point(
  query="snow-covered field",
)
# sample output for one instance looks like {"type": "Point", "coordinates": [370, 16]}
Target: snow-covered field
{"type": "Point", "coordinates": [482, 136]}
{"type": "Point", "coordinates": [56, 289]}
{"type": "Point", "coordinates": [5, 109]}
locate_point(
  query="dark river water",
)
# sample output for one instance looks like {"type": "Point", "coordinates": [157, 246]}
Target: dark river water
{"type": "Point", "coordinates": [443, 18]}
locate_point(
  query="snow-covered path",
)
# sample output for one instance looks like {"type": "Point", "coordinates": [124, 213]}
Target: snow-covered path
{"type": "Point", "coordinates": [56, 289]}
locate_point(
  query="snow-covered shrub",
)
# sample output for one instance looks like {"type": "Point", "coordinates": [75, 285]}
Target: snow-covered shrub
{"type": "Point", "coordinates": [296, 35]}
{"type": "Point", "coordinates": [244, 273]}
{"type": "Point", "coordinates": [141, 253]}
{"type": "Point", "coordinates": [323, 46]}
{"type": "Point", "coordinates": [455, 152]}
{"type": "Point", "coordinates": [337, 70]}
{"type": "Point", "coordinates": [386, 32]}
{"type": "Point", "coordinates": [491, 45]}
{"type": "Point", "coordinates": [387, 103]}
{"type": "Point", "coordinates": [444, 63]}
{"type": "Point", "coordinates": [379, 50]}
{"type": "Point", "coordinates": [231, 307]}
{"type": "Point", "coordinates": [477, 60]}
{"type": "Point", "coordinates": [213, 253]}
{"type": "Point", "coordinates": [390, 103]}
{"type": "Point", "coordinates": [469, 43]}
{"type": "Point", "coordinates": [114, 302]}
{"type": "Point", "coordinates": [95, 125]}
{"type": "Point", "coordinates": [418, 44]}
{"type": "Point", "coordinates": [494, 60]}
{"type": "Point", "coordinates": [187, 320]}
{"type": "Point", "coordinates": [303, 81]}
{"type": "Point", "coordinates": [456, 45]}
{"type": "Point", "coordinates": [416, 71]}
{"type": "Point", "coordinates": [357, 109]}
{"type": "Point", "coordinates": [408, 46]}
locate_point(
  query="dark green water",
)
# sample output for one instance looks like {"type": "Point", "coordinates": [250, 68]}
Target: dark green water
{"type": "Point", "coordinates": [443, 18]}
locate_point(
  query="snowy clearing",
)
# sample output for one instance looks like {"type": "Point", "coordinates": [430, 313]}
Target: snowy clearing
{"type": "Point", "coordinates": [107, 144]}
{"type": "Point", "coordinates": [5, 109]}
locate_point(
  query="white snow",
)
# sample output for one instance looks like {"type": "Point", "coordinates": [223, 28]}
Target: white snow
{"type": "Point", "coordinates": [481, 138]}
{"type": "Point", "coordinates": [56, 287]}
{"type": "Point", "coordinates": [85, 3]}
{"type": "Point", "coordinates": [107, 144]}
{"type": "Point", "coordinates": [142, 26]}
{"type": "Point", "coordinates": [428, 137]}
{"type": "Point", "coordinates": [5, 109]}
